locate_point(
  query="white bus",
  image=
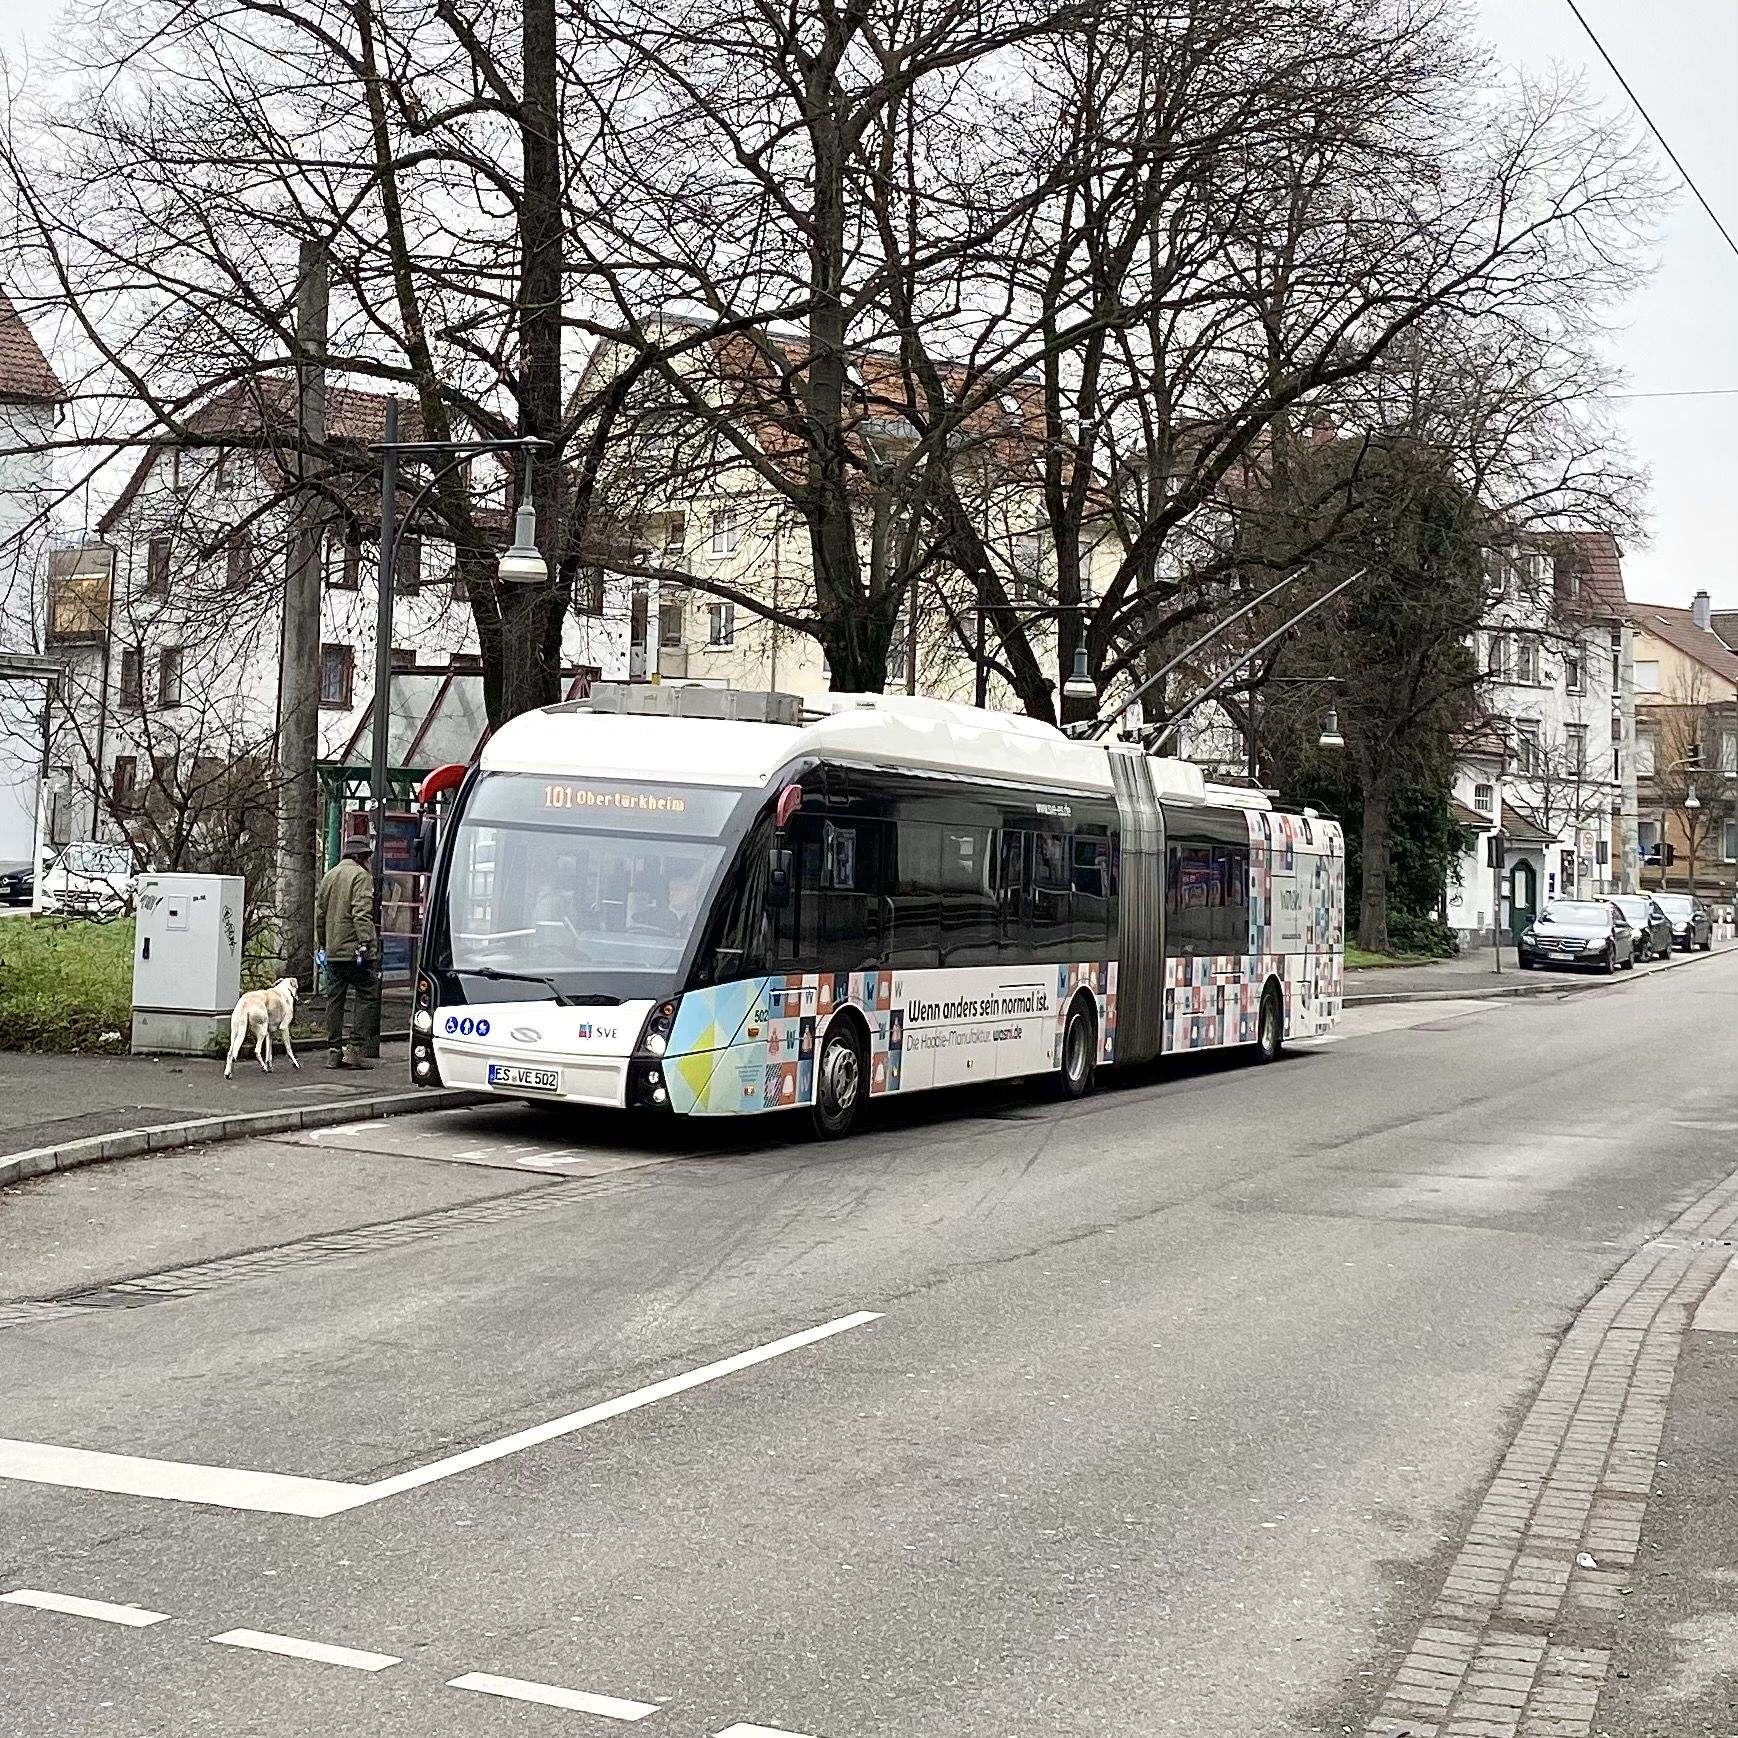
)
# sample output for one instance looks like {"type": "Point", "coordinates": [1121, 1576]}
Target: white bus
{"type": "Point", "coordinates": [811, 904]}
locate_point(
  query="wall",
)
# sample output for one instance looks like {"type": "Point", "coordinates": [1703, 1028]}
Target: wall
{"type": "Point", "coordinates": [25, 480]}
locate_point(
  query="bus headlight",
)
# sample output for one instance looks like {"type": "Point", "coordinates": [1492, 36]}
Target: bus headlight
{"type": "Point", "coordinates": [423, 1020]}
{"type": "Point", "coordinates": [655, 1039]}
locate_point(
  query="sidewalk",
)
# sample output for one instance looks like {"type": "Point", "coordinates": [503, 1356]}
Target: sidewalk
{"type": "Point", "coordinates": [61, 1111]}
{"type": "Point", "coordinates": [1473, 976]}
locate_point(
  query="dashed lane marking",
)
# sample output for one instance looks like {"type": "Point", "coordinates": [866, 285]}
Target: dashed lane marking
{"type": "Point", "coordinates": [740, 1731]}
{"type": "Point", "coordinates": [286, 1494]}
{"type": "Point", "coordinates": [553, 1696]}
{"type": "Point", "coordinates": [131, 1616]}
{"type": "Point", "coordinates": [296, 1648]}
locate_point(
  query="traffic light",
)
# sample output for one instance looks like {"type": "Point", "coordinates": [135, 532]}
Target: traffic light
{"type": "Point", "coordinates": [1496, 850]}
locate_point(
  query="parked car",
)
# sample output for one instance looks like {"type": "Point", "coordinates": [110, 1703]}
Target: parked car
{"type": "Point", "coordinates": [1653, 929]}
{"type": "Point", "coordinates": [1579, 932]}
{"type": "Point", "coordinates": [90, 877]}
{"type": "Point", "coordinates": [1692, 922]}
{"type": "Point", "coordinates": [17, 883]}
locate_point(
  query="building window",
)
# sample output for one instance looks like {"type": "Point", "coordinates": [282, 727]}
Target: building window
{"type": "Point", "coordinates": [1575, 739]}
{"type": "Point", "coordinates": [168, 678]}
{"type": "Point", "coordinates": [157, 567]}
{"type": "Point", "coordinates": [402, 658]}
{"type": "Point", "coordinates": [337, 675]}
{"type": "Point", "coordinates": [344, 559]}
{"type": "Point", "coordinates": [1574, 672]}
{"type": "Point", "coordinates": [1484, 798]}
{"type": "Point", "coordinates": [132, 677]}
{"type": "Point", "coordinates": [407, 562]}
{"type": "Point", "coordinates": [1728, 752]}
{"type": "Point", "coordinates": [224, 472]}
{"type": "Point", "coordinates": [1647, 676]}
{"type": "Point", "coordinates": [1527, 745]}
{"type": "Point", "coordinates": [675, 535]}
{"type": "Point", "coordinates": [1028, 554]}
{"type": "Point", "coordinates": [724, 534]}
{"type": "Point", "coordinates": [1729, 842]}
{"type": "Point", "coordinates": [721, 624]}
{"type": "Point", "coordinates": [239, 560]}
{"type": "Point", "coordinates": [588, 591]}
{"type": "Point", "coordinates": [1501, 659]}
{"type": "Point", "coordinates": [670, 614]}
{"type": "Point", "coordinates": [1526, 659]}
{"type": "Point", "coordinates": [125, 783]}
{"type": "Point", "coordinates": [78, 603]}
{"type": "Point", "coordinates": [1647, 840]}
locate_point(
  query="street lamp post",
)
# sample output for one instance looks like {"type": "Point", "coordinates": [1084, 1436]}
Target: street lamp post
{"type": "Point", "coordinates": [520, 563]}
{"type": "Point", "coordinates": [1078, 686]}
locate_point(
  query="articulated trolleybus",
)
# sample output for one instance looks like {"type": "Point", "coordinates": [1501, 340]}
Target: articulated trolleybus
{"type": "Point", "coordinates": [788, 903]}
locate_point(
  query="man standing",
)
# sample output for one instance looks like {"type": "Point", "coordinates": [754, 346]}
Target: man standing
{"type": "Point", "coordinates": [347, 944]}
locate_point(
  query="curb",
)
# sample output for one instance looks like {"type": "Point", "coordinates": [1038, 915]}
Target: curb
{"type": "Point", "coordinates": [1559, 986]}
{"type": "Point", "coordinates": [168, 1136]}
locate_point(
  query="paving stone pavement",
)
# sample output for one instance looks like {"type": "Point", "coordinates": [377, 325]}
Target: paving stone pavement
{"type": "Point", "coordinates": [1519, 1641]}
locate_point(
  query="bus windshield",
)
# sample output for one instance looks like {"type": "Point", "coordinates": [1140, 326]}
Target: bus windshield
{"type": "Point", "coordinates": [595, 883]}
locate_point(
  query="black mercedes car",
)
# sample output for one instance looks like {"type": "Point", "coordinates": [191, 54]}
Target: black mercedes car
{"type": "Point", "coordinates": [1579, 932]}
{"type": "Point", "coordinates": [17, 883]}
{"type": "Point", "coordinates": [1692, 922]}
{"type": "Point", "coordinates": [1653, 929]}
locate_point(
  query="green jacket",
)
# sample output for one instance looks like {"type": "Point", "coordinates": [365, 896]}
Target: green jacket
{"type": "Point", "coordinates": [344, 912]}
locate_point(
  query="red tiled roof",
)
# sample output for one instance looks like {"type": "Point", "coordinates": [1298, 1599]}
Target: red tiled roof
{"type": "Point", "coordinates": [1678, 629]}
{"type": "Point", "coordinates": [1468, 817]}
{"type": "Point", "coordinates": [1726, 626]}
{"type": "Point", "coordinates": [24, 370]}
{"type": "Point", "coordinates": [1595, 557]}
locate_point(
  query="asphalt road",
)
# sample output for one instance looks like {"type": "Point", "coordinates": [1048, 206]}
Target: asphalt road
{"type": "Point", "coordinates": [1172, 1403]}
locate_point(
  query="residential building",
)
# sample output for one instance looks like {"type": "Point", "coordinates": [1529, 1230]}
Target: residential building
{"type": "Point", "coordinates": [170, 623]}
{"type": "Point", "coordinates": [1551, 763]}
{"type": "Point", "coordinates": [1686, 705]}
{"type": "Point", "coordinates": [698, 486]}
{"type": "Point", "coordinates": [31, 400]}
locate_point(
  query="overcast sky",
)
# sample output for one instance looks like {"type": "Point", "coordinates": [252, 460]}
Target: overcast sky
{"type": "Point", "coordinates": [1682, 331]}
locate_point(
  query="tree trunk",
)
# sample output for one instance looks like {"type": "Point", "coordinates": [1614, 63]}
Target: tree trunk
{"type": "Point", "coordinates": [1373, 908]}
{"type": "Point", "coordinates": [529, 643]}
{"type": "Point", "coordinates": [299, 662]}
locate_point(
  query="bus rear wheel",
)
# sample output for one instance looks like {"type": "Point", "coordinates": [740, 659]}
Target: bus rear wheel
{"type": "Point", "coordinates": [1269, 1027]}
{"type": "Point", "coordinates": [1079, 1053]}
{"type": "Point", "coordinates": [839, 1080]}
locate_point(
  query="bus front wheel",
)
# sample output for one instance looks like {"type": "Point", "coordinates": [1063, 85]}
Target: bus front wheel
{"type": "Point", "coordinates": [839, 1082]}
{"type": "Point", "coordinates": [1079, 1048]}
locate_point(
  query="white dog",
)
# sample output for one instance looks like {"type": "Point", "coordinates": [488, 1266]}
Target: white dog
{"type": "Point", "coordinates": [256, 1015]}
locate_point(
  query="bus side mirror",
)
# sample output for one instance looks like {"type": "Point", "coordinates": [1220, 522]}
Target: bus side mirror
{"type": "Point", "coordinates": [778, 879]}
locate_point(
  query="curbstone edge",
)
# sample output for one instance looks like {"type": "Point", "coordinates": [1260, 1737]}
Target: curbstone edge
{"type": "Point", "coordinates": [201, 1131]}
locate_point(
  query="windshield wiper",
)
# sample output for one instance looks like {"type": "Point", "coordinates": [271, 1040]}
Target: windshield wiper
{"type": "Point", "coordinates": [549, 984]}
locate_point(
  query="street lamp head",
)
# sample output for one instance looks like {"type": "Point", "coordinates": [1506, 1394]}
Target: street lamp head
{"type": "Point", "coordinates": [1080, 685]}
{"type": "Point", "coordinates": [1330, 736]}
{"type": "Point", "coordinates": [1691, 800]}
{"type": "Point", "coordinates": [522, 561]}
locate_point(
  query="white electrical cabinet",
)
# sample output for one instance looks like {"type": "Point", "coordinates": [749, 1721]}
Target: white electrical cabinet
{"type": "Point", "coordinates": [186, 959]}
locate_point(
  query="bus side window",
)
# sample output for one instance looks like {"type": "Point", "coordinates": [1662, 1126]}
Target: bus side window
{"type": "Point", "coordinates": [1052, 898]}
{"type": "Point", "coordinates": [1231, 875]}
{"type": "Point", "coordinates": [916, 882]}
{"type": "Point", "coordinates": [968, 907]}
{"type": "Point", "coordinates": [1092, 887]}
{"type": "Point", "coordinates": [1189, 899]}
{"type": "Point", "coordinates": [1014, 893]}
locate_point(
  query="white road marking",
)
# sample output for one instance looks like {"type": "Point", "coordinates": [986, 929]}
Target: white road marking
{"type": "Point", "coordinates": [177, 1481]}
{"type": "Point", "coordinates": [758, 1732]}
{"type": "Point", "coordinates": [553, 1696]}
{"type": "Point", "coordinates": [133, 1616]}
{"type": "Point", "coordinates": [294, 1647]}
{"type": "Point", "coordinates": [522, 1439]}
{"type": "Point", "coordinates": [285, 1494]}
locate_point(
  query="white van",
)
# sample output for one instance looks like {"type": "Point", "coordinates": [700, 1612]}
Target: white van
{"type": "Point", "coordinates": [89, 877]}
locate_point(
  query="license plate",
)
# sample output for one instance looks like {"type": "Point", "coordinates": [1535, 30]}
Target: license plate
{"type": "Point", "coordinates": [536, 1079]}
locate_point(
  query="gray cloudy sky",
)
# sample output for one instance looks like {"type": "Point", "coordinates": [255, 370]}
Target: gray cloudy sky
{"type": "Point", "coordinates": [1682, 331]}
